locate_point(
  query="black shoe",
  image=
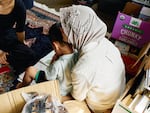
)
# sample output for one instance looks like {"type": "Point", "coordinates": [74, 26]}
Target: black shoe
{"type": "Point", "coordinates": [41, 77]}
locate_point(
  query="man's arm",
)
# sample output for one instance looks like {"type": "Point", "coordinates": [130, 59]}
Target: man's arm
{"type": "Point", "coordinates": [68, 97]}
{"type": "Point", "coordinates": [20, 21]}
{"type": "Point", "coordinates": [21, 36]}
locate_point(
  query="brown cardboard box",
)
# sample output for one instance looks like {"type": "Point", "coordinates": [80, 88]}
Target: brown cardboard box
{"type": "Point", "coordinates": [13, 102]}
{"type": "Point", "coordinates": [123, 105]}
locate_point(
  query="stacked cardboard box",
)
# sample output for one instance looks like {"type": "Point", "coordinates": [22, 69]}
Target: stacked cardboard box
{"type": "Point", "coordinates": [13, 102]}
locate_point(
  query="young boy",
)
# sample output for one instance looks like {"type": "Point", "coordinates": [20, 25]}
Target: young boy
{"type": "Point", "coordinates": [60, 66]}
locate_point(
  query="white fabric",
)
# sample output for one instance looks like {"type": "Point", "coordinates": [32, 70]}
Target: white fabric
{"type": "Point", "coordinates": [100, 72]}
{"type": "Point", "coordinates": [61, 70]}
{"type": "Point", "coordinates": [81, 25]}
{"type": "Point", "coordinates": [99, 75]}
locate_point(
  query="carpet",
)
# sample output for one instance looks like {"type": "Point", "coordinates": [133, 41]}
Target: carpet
{"type": "Point", "coordinates": [37, 17]}
{"type": "Point", "coordinates": [38, 23]}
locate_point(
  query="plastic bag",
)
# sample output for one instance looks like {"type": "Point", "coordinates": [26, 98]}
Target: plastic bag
{"type": "Point", "coordinates": [42, 103]}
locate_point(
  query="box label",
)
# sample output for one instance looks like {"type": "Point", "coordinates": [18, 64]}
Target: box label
{"type": "Point", "coordinates": [131, 30]}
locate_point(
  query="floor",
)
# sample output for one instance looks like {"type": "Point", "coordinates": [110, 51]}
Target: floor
{"type": "Point", "coordinates": [56, 4]}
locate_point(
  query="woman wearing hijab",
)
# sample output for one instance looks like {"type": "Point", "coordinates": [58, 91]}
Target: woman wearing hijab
{"type": "Point", "coordinates": [99, 74]}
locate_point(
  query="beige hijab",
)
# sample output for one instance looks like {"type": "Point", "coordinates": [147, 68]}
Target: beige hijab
{"type": "Point", "coordinates": [82, 25]}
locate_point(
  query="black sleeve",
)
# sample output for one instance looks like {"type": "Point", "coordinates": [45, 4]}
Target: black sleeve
{"type": "Point", "coordinates": [20, 16]}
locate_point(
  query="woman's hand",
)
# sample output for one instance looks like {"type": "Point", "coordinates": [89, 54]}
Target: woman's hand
{"type": "Point", "coordinates": [3, 58]}
{"type": "Point", "coordinates": [67, 97]}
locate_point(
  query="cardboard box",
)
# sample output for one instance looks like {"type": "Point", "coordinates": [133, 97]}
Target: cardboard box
{"type": "Point", "coordinates": [13, 102]}
{"type": "Point", "coordinates": [130, 30]}
{"type": "Point", "coordinates": [138, 105]}
{"type": "Point", "coordinates": [121, 108]}
{"type": "Point", "coordinates": [133, 100]}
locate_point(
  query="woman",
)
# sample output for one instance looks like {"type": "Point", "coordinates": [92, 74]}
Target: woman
{"type": "Point", "coordinates": [99, 75]}
{"type": "Point", "coordinates": [13, 51]}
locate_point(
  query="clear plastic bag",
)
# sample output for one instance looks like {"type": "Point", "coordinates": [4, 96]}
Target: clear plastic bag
{"type": "Point", "coordinates": [42, 103]}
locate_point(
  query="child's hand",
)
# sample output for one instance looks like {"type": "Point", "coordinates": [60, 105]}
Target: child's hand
{"type": "Point", "coordinates": [19, 85]}
{"type": "Point", "coordinates": [55, 57]}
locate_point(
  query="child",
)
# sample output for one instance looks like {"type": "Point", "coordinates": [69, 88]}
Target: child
{"type": "Point", "coordinates": [60, 66]}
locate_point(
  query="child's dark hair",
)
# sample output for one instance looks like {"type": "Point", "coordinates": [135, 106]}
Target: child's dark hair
{"type": "Point", "coordinates": [55, 33]}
